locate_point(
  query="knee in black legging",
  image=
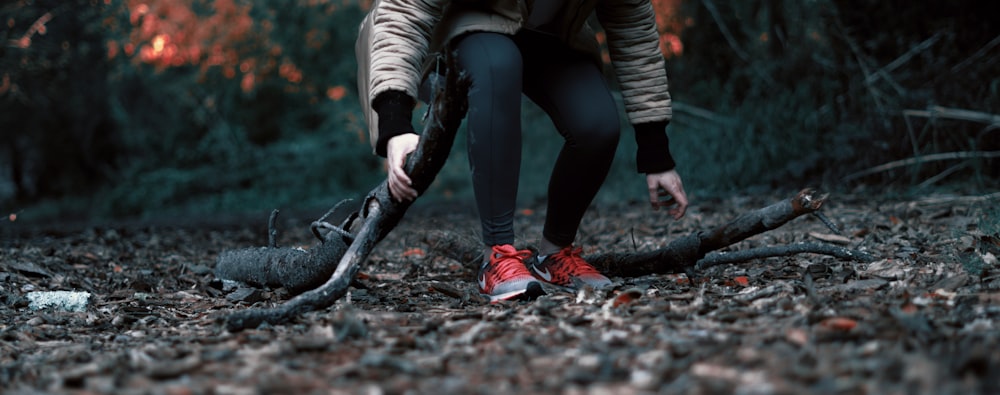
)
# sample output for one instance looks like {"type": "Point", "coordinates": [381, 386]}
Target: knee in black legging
{"type": "Point", "coordinates": [593, 133]}
{"type": "Point", "coordinates": [492, 61]}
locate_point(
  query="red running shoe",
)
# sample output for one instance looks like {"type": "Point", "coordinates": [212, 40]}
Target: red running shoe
{"type": "Point", "coordinates": [507, 277]}
{"type": "Point", "coordinates": [567, 268]}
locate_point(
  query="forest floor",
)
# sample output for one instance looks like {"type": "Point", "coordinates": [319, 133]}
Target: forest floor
{"type": "Point", "coordinates": [922, 318]}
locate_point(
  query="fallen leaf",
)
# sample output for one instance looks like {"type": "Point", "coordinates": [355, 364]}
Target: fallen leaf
{"type": "Point", "coordinates": [447, 290]}
{"type": "Point", "coordinates": [30, 269]}
{"type": "Point", "coordinates": [417, 252]}
{"type": "Point", "coordinates": [626, 297]}
{"type": "Point", "coordinates": [742, 281]}
{"type": "Point", "coordinates": [942, 293]}
{"type": "Point", "coordinates": [830, 238]}
{"type": "Point", "coordinates": [797, 336]}
{"type": "Point", "coordinates": [950, 283]}
{"type": "Point", "coordinates": [839, 323]}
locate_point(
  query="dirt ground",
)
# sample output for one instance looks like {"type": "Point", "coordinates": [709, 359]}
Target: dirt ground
{"type": "Point", "coordinates": [920, 319]}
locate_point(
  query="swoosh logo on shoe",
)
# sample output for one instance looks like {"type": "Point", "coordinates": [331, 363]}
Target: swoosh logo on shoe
{"type": "Point", "coordinates": [545, 275]}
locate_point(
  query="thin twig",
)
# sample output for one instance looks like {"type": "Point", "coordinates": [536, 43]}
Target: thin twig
{"type": "Point", "coordinates": [942, 175]}
{"type": "Point", "coordinates": [334, 209]}
{"type": "Point", "coordinates": [725, 30]}
{"type": "Point", "coordinates": [975, 57]}
{"type": "Point", "coordinates": [322, 224]}
{"type": "Point", "coordinates": [635, 246]}
{"type": "Point", "coordinates": [826, 221]}
{"type": "Point", "coordinates": [951, 200]}
{"type": "Point", "coordinates": [272, 231]}
{"type": "Point", "coordinates": [903, 59]}
{"type": "Point", "coordinates": [954, 113]}
{"type": "Point", "coordinates": [924, 159]}
{"type": "Point", "coordinates": [702, 113]}
{"type": "Point", "coordinates": [732, 41]}
{"type": "Point", "coordinates": [724, 258]}
{"type": "Point", "coordinates": [856, 50]}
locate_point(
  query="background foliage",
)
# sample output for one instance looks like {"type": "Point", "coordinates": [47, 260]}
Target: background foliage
{"type": "Point", "coordinates": [126, 108]}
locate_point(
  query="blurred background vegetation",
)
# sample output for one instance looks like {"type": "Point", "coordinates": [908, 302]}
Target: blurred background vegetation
{"type": "Point", "coordinates": [152, 108]}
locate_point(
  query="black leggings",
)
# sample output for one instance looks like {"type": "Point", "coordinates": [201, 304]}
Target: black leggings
{"type": "Point", "coordinates": [570, 87]}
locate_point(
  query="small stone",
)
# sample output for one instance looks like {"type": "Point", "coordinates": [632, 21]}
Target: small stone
{"type": "Point", "coordinates": [246, 295]}
{"type": "Point", "coordinates": [644, 379]}
{"type": "Point", "coordinates": [61, 300]}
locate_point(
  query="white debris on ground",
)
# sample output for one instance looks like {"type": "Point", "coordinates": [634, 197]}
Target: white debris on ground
{"type": "Point", "coordinates": [61, 300]}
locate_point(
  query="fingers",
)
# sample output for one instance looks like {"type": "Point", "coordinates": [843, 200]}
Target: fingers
{"type": "Point", "coordinates": [666, 190]}
{"type": "Point", "coordinates": [654, 196]}
{"type": "Point", "coordinates": [680, 198]}
{"type": "Point", "coordinates": [400, 184]}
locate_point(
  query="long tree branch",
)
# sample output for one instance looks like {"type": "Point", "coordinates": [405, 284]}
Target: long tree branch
{"type": "Point", "coordinates": [730, 257]}
{"type": "Point", "coordinates": [695, 251]}
{"type": "Point", "coordinates": [682, 254]}
{"type": "Point", "coordinates": [379, 212]}
{"type": "Point", "coordinates": [923, 159]}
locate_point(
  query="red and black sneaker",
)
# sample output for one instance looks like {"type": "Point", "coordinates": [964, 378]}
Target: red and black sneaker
{"type": "Point", "coordinates": [567, 268]}
{"type": "Point", "coordinates": [506, 276]}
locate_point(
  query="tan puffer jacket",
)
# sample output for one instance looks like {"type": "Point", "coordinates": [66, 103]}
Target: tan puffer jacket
{"type": "Point", "coordinates": [396, 37]}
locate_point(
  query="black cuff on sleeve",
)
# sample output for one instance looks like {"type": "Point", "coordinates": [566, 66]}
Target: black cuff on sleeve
{"type": "Point", "coordinates": [395, 111]}
{"type": "Point", "coordinates": [653, 155]}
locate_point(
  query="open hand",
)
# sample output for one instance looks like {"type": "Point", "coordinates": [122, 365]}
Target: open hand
{"type": "Point", "coordinates": [667, 190]}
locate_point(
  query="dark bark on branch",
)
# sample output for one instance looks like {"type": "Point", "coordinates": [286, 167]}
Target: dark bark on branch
{"type": "Point", "coordinates": [691, 252]}
{"type": "Point", "coordinates": [464, 249]}
{"type": "Point", "coordinates": [725, 258]}
{"type": "Point", "coordinates": [682, 254]}
{"type": "Point", "coordinates": [294, 269]}
{"type": "Point", "coordinates": [379, 213]}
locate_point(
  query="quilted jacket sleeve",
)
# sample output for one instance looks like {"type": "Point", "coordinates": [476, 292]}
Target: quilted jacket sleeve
{"type": "Point", "coordinates": [392, 44]}
{"type": "Point", "coordinates": [401, 31]}
{"type": "Point", "coordinates": [633, 43]}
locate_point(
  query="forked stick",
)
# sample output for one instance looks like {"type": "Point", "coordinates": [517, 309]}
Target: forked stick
{"type": "Point", "coordinates": [379, 213]}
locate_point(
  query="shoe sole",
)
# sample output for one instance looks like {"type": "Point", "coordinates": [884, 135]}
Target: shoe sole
{"type": "Point", "coordinates": [531, 292]}
{"type": "Point", "coordinates": [577, 284]}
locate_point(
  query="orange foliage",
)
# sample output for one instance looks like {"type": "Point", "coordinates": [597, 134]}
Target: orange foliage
{"type": "Point", "coordinates": [336, 93]}
{"type": "Point", "coordinates": [414, 252]}
{"type": "Point", "coordinates": [5, 83]}
{"type": "Point", "coordinates": [38, 27]}
{"type": "Point", "coordinates": [168, 33]}
{"type": "Point", "coordinates": [670, 26]}
{"type": "Point", "coordinates": [839, 324]}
